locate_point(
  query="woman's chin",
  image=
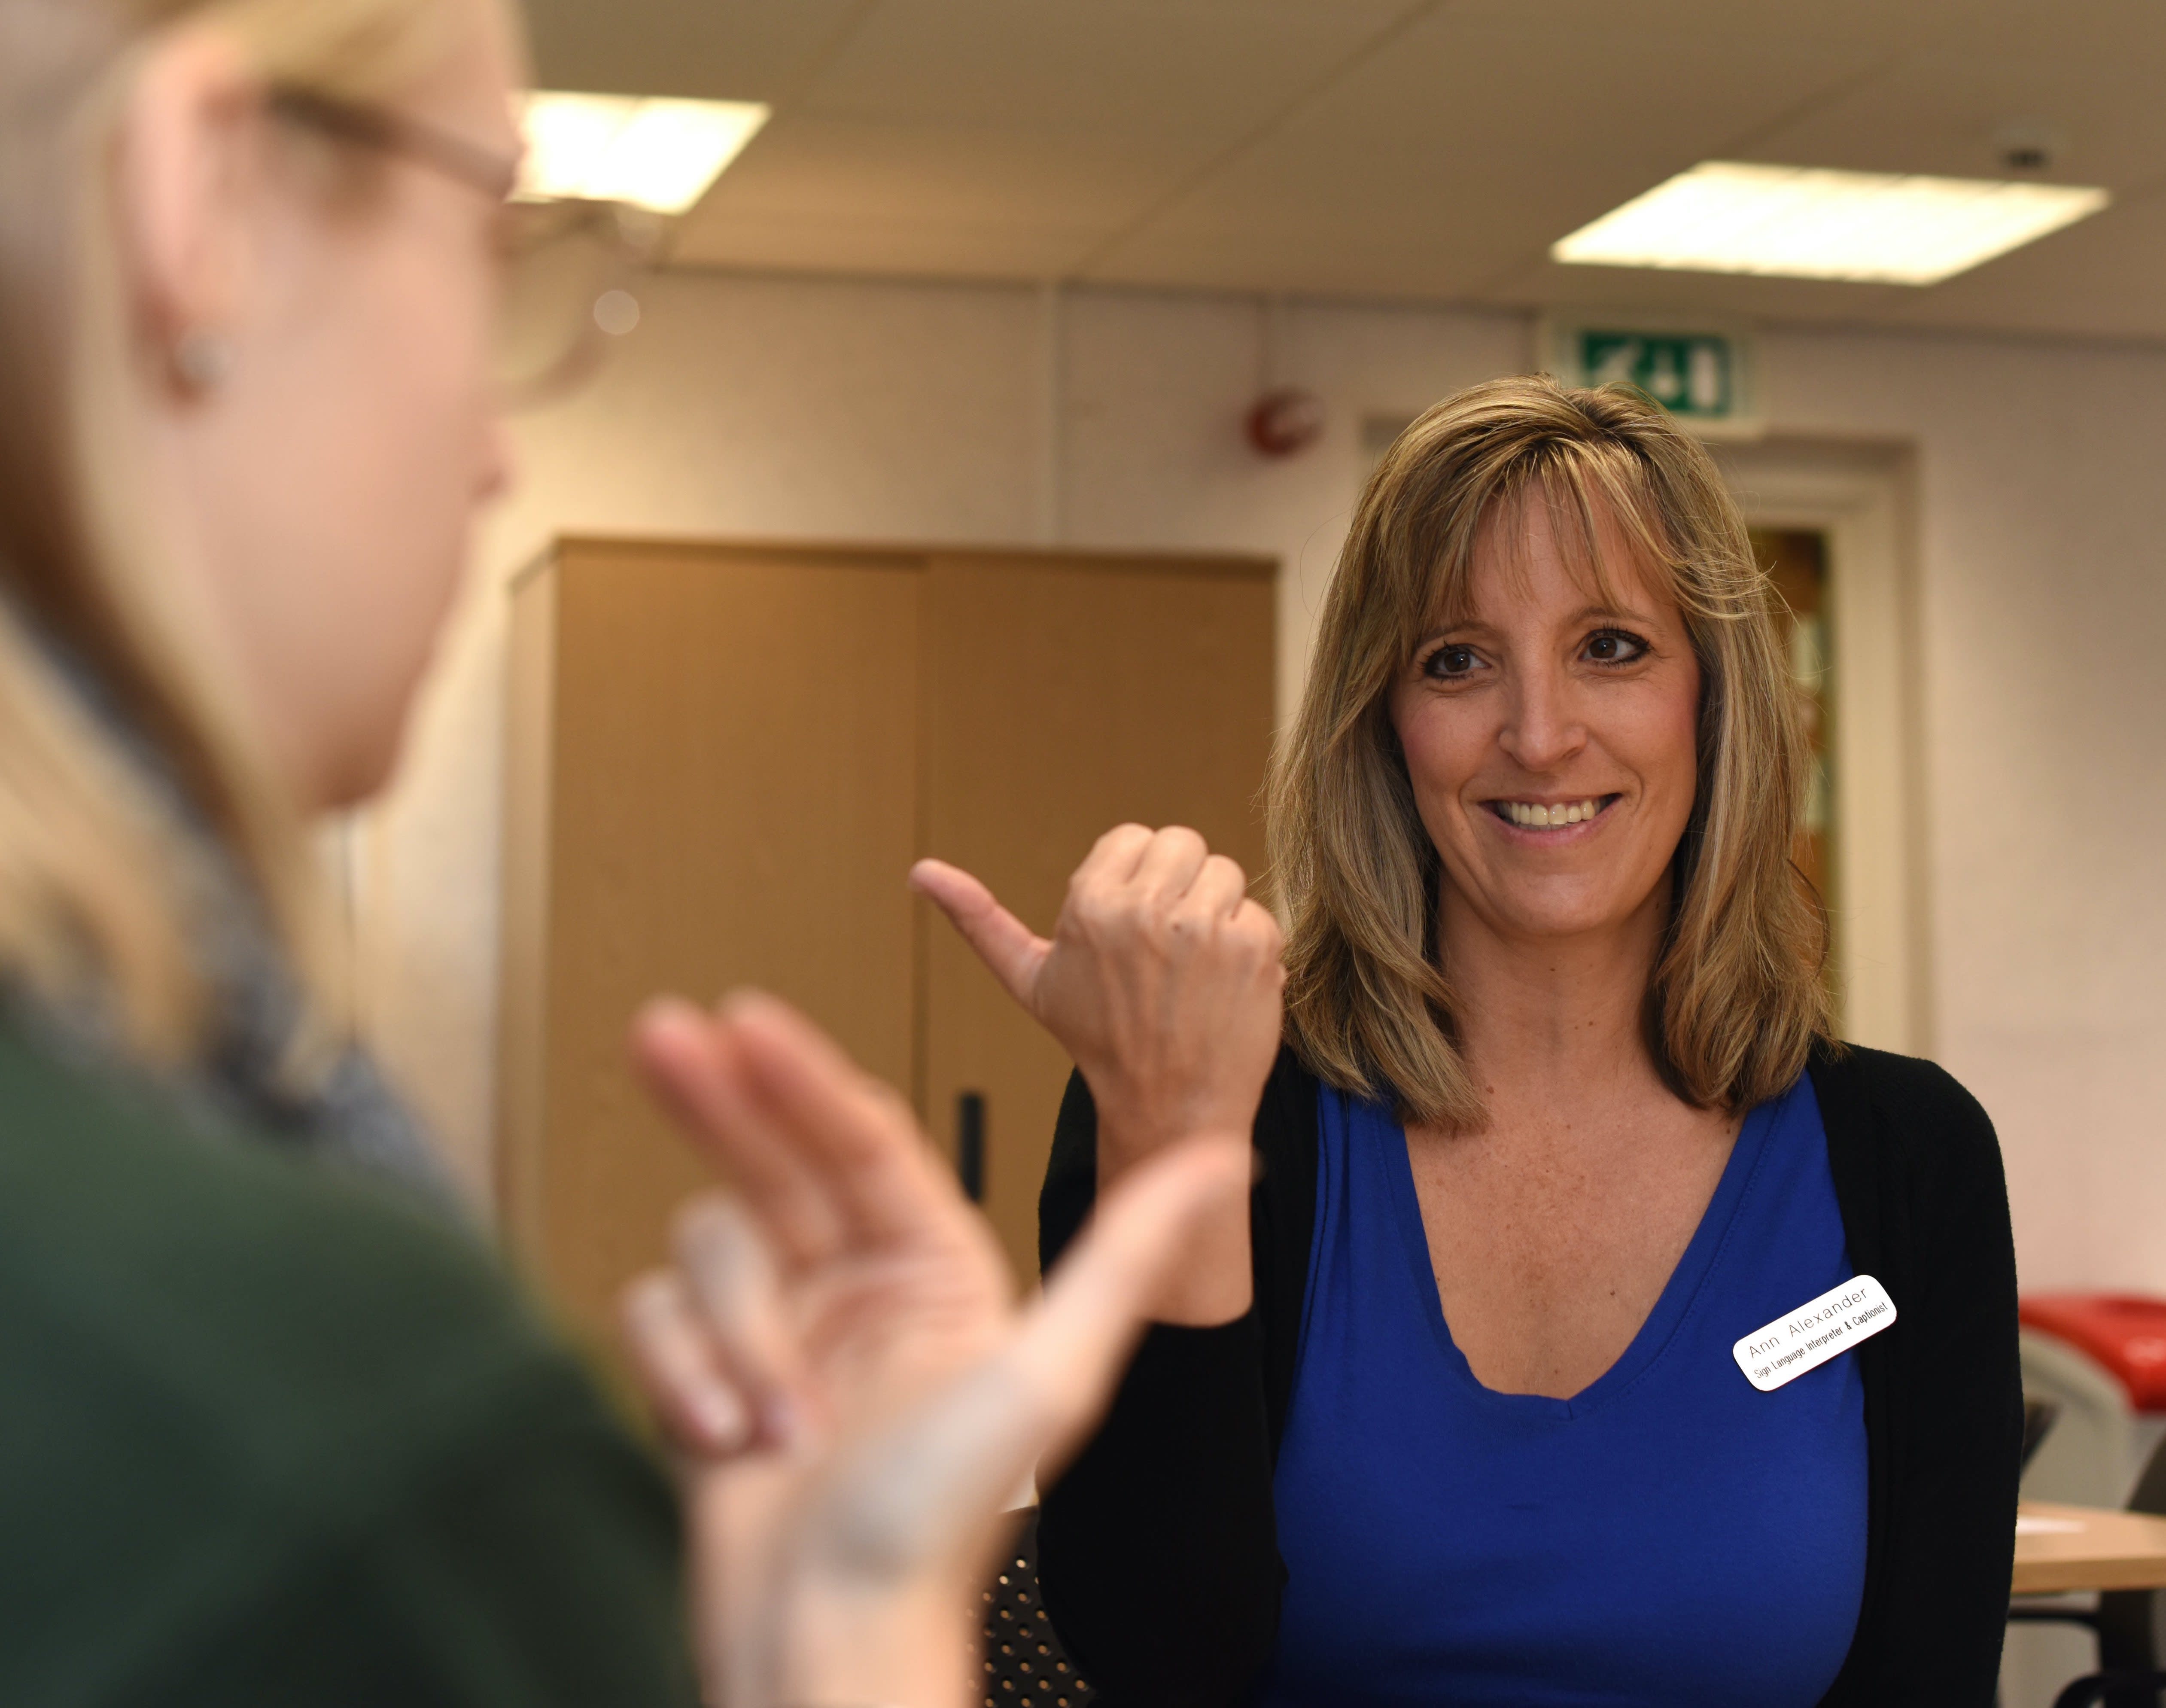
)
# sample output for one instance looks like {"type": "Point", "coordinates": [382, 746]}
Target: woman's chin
{"type": "Point", "coordinates": [1545, 916]}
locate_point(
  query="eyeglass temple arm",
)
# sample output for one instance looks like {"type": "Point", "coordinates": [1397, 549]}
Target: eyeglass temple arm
{"type": "Point", "coordinates": [391, 133]}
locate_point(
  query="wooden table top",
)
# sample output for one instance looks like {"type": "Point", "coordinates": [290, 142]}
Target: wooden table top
{"type": "Point", "coordinates": [2059, 1548]}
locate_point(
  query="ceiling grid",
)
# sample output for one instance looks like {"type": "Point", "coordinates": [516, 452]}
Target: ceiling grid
{"type": "Point", "coordinates": [1420, 150]}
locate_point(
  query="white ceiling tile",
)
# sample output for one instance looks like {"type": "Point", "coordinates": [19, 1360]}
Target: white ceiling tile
{"type": "Point", "coordinates": [1111, 68]}
{"type": "Point", "coordinates": [2105, 276]}
{"type": "Point", "coordinates": [1472, 147]}
{"type": "Point", "coordinates": [714, 50]}
{"type": "Point", "coordinates": [1545, 283]}
{"type": "Point", "coordinates": [897, 171]}
{"type": "Point", "coordinates": [2097, 32]}
{"type": "Point", "coordinates": [1210, 143]}
{"type": "Point", "coordinates": [1938, 112]}
{"type": "Point", "coordinates": [916, 247]}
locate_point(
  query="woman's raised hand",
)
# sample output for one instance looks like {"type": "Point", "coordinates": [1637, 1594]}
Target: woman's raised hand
{"type": "Point", "coordinates": [1162, 980]}
{"type": "Point", "coordinates": [838, 1356]}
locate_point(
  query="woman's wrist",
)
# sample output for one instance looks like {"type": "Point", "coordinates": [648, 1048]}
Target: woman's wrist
{"type": "Point", "coordinates": [860, 1644]}
{"type": "Point", "coordinates": [1213, 1283]}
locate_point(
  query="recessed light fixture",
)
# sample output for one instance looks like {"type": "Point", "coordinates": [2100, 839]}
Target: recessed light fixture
{"type": "Point", "coordinates": [1812, 222]}
{"type": "Point", "coordinates": [655, 154]}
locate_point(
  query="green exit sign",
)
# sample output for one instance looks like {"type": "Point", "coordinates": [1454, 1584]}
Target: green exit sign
{"type": "Point", "coordinates": [1703, 375]}
{"type": "Point", "coordinates": [1688, 374]}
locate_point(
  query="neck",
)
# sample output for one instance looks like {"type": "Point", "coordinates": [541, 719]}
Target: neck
{"type": "Point", "coordinates": [1542, 1017]}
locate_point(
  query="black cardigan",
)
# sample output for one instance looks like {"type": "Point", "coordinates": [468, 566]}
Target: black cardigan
{"type": "Point", "coordinates": [1158, 1553]}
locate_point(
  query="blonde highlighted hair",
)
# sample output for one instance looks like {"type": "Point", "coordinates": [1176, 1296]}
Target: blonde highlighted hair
{"type": "Point", "coordinates": [1736, 997]}
{"type": "Point", "coordinates": [97, 884]}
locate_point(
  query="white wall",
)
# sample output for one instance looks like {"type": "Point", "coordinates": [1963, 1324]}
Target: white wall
{"type": "Point", "coordinates": [860, 411]}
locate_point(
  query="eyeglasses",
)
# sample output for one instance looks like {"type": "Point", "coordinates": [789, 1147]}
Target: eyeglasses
{"type": "Point", "coordinates": [567, 262]}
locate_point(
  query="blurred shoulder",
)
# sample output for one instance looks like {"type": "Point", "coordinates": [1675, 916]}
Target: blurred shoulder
{"type": "Point", "coordinates": [223, 1361]}
{"type": "Point", "coordinates": [110, 1189]}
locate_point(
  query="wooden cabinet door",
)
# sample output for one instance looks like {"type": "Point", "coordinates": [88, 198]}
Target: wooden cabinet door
{"type": "Point", "coordinates": [722, 762]}
{"type": "Point", "coordinates": [1064, 695]}
{"type": "Point", "coordinates": [713, 784]}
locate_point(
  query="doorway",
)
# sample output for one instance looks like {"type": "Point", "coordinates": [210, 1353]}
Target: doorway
{"type": "Point", "coordinates": [1796, 560]}
{"type": "Point", "coordinates": [1832, 521]}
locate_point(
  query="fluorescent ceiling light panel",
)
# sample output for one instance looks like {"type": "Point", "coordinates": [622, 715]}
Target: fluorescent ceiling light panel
{"type": "Point", "coordinates": [1812, 222]}
{"type": "Point", "coordinates": [655, 154]}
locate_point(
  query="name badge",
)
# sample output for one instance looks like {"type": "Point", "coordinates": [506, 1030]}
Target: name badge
{"type": "Point", "coordinates": [1808, 1336]}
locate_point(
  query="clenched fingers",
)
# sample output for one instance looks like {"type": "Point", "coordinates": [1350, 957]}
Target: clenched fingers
{"type": "Point", "coordinates": [700, 1408]}
{"type": "Point", "coordinates": [730, 1279]}
{"type": "Point", "coordinates": [1171, 864]}
{"type": "Point", "coordinates": [1217, 892]}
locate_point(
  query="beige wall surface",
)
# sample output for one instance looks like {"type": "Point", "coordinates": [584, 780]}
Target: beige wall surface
{"type": "Point", "coordinates": [810, 409]}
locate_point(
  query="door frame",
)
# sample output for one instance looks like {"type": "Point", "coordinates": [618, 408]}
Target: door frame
{"type": "Point", "coordinates": [1859, 498]}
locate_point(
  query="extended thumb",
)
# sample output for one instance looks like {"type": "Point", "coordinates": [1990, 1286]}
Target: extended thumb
{"type": "Point", "coordinates": [1011, 949]}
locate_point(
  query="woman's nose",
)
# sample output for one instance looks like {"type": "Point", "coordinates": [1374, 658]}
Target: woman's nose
{"type": "Point", "coordinates": [1544, 727]}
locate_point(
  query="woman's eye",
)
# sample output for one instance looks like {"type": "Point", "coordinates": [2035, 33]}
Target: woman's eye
{"type": "Point", "coordinates": [1451, 661]}
{"type": "Point", "coordinates": [1615, 647]}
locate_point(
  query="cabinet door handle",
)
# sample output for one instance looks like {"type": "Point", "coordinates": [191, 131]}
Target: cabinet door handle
{"type": "Point", "coordinates": [971, 1145]}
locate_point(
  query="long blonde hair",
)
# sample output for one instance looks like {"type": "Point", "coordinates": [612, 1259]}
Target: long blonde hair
{"type": "Point", "coordinates": [97, 895]}
{"type": "Point", "coordinates": [1736, 997]}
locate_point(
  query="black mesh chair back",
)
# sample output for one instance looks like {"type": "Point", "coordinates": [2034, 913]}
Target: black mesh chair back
{"type": "Point", "coordinates": [2039, 1416]}
{"type": "Point", "coordinates": [2126, 1623]}
{"type": "Point", "coordinates": [1025, 1666]}
{"type": "Point", "coordinates": [2128, 1619]}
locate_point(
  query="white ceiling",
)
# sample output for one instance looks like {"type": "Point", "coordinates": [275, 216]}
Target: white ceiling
{"type": "Point", "coordinates": [1421, 149]}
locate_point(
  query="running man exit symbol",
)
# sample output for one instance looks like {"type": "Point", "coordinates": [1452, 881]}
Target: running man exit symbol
{"type": "Point", "coordinates": [1692, 374]}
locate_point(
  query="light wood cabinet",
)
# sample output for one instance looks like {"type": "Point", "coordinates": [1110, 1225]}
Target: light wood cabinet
{"type": "Point", "coordinates": [724, 758]}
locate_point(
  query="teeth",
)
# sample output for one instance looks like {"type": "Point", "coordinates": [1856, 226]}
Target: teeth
{"type": "Point", "coordinates": [1537, 817]}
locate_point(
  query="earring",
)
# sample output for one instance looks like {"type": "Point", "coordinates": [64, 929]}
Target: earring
{"type": "Point", "coordinates": [203, 359]}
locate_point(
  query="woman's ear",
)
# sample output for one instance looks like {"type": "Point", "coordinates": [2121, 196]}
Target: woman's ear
{"type": "Point", "coordinates": [187, 169]}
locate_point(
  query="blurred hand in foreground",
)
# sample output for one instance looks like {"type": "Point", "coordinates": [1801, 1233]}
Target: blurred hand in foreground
{"type": "Point", "coordinates": [1162, 980]}
{"type": "Point", "coordinates": [838, 1354]}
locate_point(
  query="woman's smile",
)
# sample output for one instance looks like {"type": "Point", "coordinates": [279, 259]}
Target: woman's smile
{"type": "Point", "coordinates": [1546, 821]}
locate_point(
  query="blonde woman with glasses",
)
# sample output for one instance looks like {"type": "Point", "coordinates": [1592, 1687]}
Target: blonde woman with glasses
{"type": "Point", "coordinates": [1601, 1330]}
{"type": "Point", "coordinates": [277, 1429]}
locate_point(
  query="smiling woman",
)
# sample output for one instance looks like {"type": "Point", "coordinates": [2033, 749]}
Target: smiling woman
{"type": "Point", "coordinates": [1559, 1125]}
{"type": "Point", "coordinates": [1624, 549]}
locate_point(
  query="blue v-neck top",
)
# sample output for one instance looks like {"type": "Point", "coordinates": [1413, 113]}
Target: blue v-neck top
{"type": "Point", "coordinates": [1669, 1535]}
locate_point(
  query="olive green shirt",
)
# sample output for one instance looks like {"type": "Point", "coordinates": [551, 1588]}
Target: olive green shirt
{"type": "Point", "coordinates": [271, 1434]}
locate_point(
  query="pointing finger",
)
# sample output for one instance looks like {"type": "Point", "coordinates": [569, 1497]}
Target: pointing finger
{"type": "Point", "coordinates": [927, 1487]}
{"type": "Point", "coordinates": [1081, 1331]}
{"type": "Point", "coordinates": [691, 1064]}
{"type": "Point", "coordinates": [859, 1138]}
